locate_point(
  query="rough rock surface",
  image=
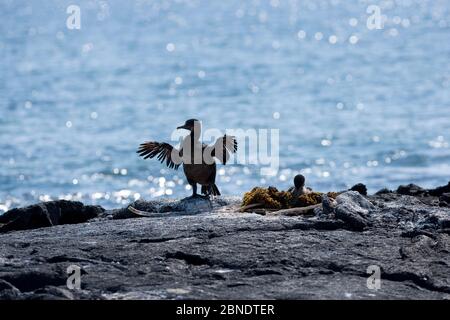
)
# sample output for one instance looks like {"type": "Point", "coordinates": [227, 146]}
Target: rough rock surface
{"type": "Point", "coordinates": [48, 214]}
{"type": "Point", "coordinates": [354, 210]}
{"type": "Point", "coordinates": [219, 253]}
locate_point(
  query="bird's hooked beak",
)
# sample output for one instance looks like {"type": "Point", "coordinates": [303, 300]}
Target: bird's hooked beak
{"type": "Point", "coordinates": [184, 127]}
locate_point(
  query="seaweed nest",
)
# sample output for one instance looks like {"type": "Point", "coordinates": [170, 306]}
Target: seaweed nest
{"type": "Point", "coordinates": [271, 198]}
{"type": "Point", "coordinates": [308, 199]}
{"type": "Point", "coordinates": [311, 199]}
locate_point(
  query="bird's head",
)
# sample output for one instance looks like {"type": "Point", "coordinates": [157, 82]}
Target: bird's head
{"type": "Point", "coordinates": [299, 181]}
{"type": "Point", "coordinates": [190, 125]}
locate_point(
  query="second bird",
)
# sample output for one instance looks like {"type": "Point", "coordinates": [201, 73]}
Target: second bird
{"type": "Point", "coordinates": [197, 158]}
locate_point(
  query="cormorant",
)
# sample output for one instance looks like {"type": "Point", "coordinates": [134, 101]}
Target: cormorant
{"type": "Point", "coordinates": [197, 158]}
{"type": "Point", "coordinates": [299, 188]}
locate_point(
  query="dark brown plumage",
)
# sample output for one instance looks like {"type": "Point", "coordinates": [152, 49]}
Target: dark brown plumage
{"type": "Point", "coordinates": [197, 158]}
{"type": "Point", "coordinates": [163, 151]}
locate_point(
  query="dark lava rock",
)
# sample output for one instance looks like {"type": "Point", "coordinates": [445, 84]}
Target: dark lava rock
{"type": "Point", "coordinates": [4, 285]}
{"type": "Point", "coordinates": [353, 209]}
{"type": "Point", "coordinates": [411, 190]}
{"type": "Point", "coordinates": [440, 190]}
{"type": "Point", "coordinates": [51, 293]}
{"type": "Point", "coordinates": [383, 191]}
{"type": "Point", "coordinates": [327, 205]}
{"type": "Point", "coordinates": [124, 213]}
{"type": "Point", "coordinates": [226, 254]}
{"type": "Point", "coordinates": [444, 200]}
{"type": "Point", "coordinates": [166, 207]}
{"type": "Point", "coordinates": [445, 197]}
{"type": "Point", "coordinates": [48, 214]}
{"type": "Point", "coordinates": [361, 188]}
{"type": "Point", "coordinates": [8, 291]}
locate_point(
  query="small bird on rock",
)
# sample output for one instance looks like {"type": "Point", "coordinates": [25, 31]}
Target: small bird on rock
{"type": "Point", "coordinates": [197, 158]}
{"type": "Point", "coordinates": [299, 188]}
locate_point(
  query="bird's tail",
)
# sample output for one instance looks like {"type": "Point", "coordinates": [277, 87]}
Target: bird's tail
{"type": "Point", "coordinates": [211, 190]}
{"type": "Point", "coordinates": [214, 190]}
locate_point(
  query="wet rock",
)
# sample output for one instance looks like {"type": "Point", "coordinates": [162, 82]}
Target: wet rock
{"type": "Point", "coordinates": [360, 187]}
{"type": "Point", "coordinates": [48, 214]}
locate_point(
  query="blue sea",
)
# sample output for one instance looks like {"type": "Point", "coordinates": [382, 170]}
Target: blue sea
{"type": "Point", "coordinates": [352, 103]}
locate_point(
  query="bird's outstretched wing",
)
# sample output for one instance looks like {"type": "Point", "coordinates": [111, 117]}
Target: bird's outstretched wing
{"type": "Point", "coordinates": [163, 152]}
{"type": "Point", "coordinates": [223, 147]}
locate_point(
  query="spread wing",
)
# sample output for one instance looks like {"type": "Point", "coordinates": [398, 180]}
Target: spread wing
{"type": "Point", "coordinates": [163, 152]}
{"type": "Point", "coordinates": [223, 147]}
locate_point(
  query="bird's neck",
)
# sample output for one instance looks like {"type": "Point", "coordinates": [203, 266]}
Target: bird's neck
{"type": "Point", "coordinates": [195, 135]}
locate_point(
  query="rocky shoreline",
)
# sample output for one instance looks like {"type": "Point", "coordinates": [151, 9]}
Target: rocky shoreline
{"type": "Point", "coordinates": [200, 249]}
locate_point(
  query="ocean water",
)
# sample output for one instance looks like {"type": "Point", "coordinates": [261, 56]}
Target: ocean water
{"type": "Point", "coordinates": [351, 104]}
